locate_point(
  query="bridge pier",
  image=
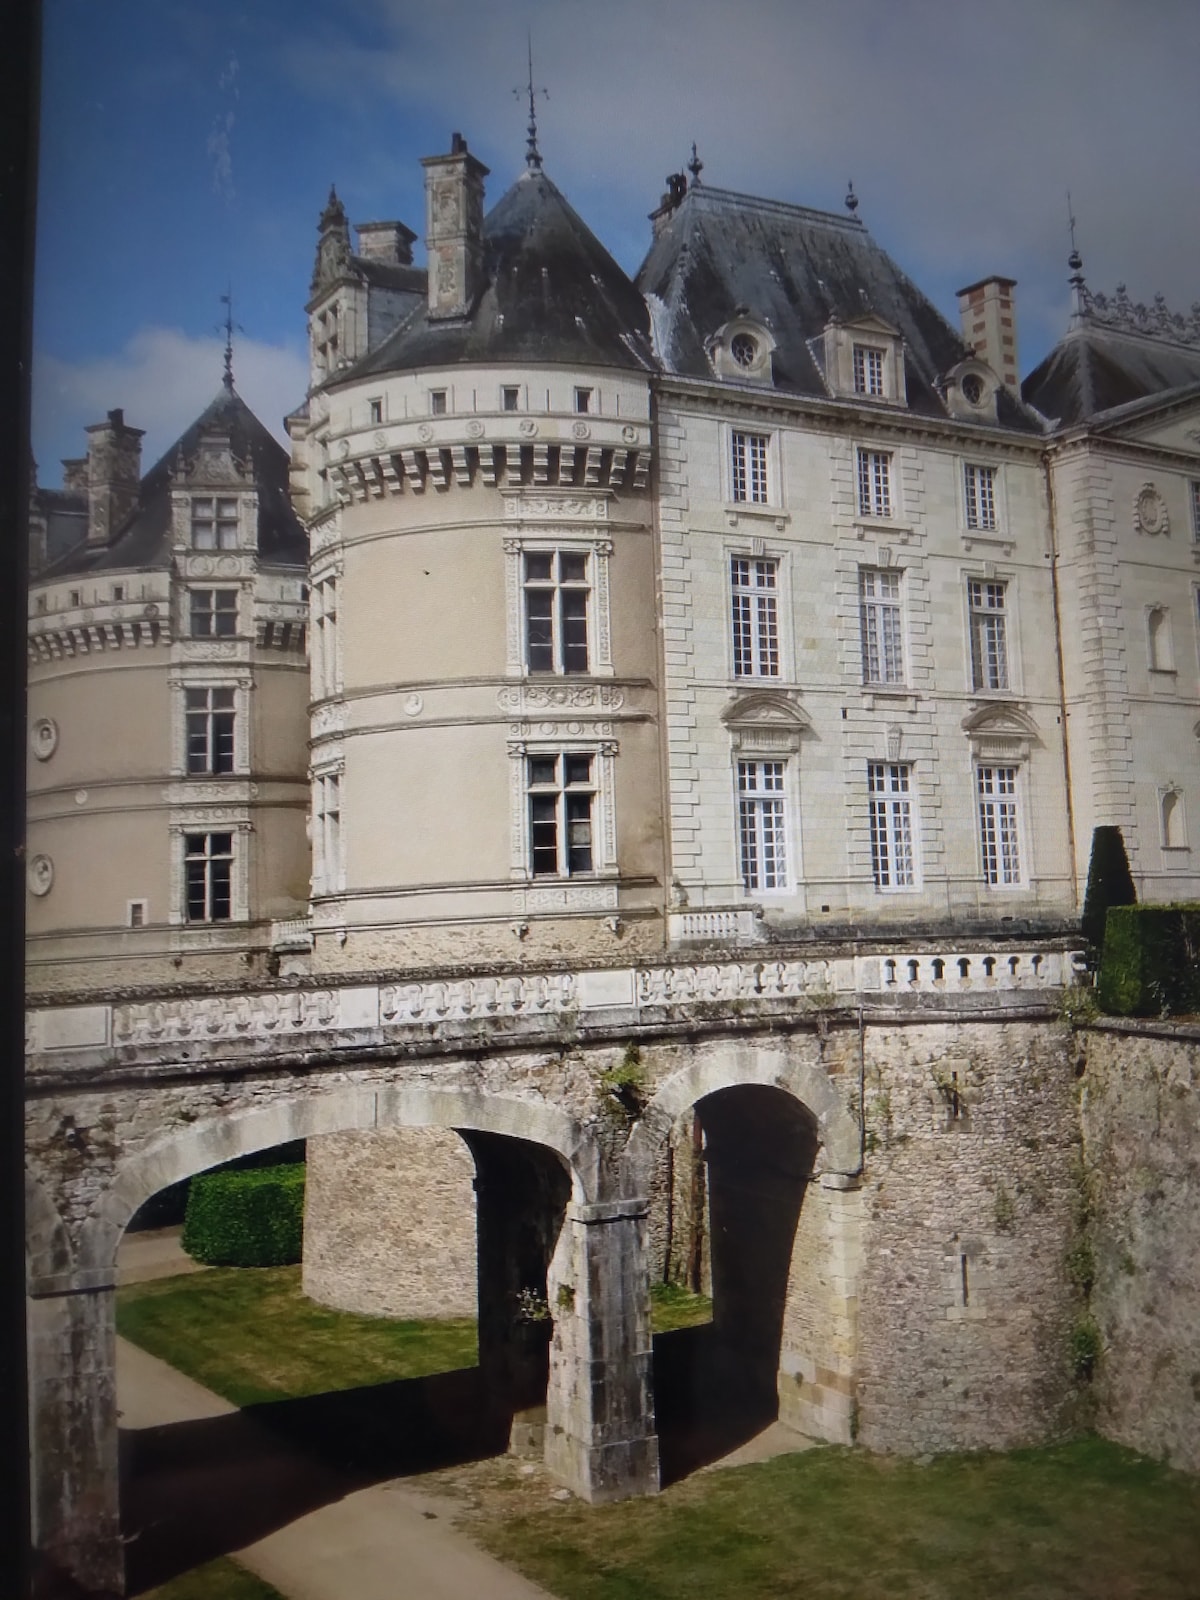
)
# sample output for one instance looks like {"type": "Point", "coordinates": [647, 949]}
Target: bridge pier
{"type": "Point", "coordinates": [600, 1437]}
{"type": "Point", "coordinates": [73, 1436]}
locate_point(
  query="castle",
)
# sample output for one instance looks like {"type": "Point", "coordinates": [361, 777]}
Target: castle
{"type": "Point", "coordinates": [713, 677]}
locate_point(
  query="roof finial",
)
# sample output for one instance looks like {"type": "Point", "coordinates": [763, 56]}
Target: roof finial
{"type": "Point", "coordinates": [851, 198]}
{"type": "Point", "coordinates": [227, 328]}
{"type": "Point", "coordinates": [533, 158]}
{"type": "Point", "coordinates": [695, 166]}
{"type": "Point", "coordinates": [1075, 262]}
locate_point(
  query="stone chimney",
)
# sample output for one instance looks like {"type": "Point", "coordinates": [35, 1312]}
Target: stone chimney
{"type": "Point", "coordinates": [670, 203]}
{"type": "Point", "coordinates": [989, 326]}
{"type": "Point", "coordinates": [389, 242]}
{"type": "Point", "coordinates": [454, 228]}
{"type": "Point", "coordinates": [75, 476]}
{"type": "Point", "coordinates": [114, 472]}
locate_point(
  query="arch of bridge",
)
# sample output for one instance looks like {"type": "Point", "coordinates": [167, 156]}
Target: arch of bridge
{"type": "Point", "coordinates": [224, 1136]}
{"type": "Point", "coordinates": [769, 1064]}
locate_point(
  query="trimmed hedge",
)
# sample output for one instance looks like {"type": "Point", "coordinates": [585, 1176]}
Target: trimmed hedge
{"type": "Point", "coordinates": [1151, 961]}
{"type": "Point", "coordinates": [246, 1219]}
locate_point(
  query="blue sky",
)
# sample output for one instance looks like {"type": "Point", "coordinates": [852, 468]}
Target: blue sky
{"type": "Point", "coordinates": [185, 147]}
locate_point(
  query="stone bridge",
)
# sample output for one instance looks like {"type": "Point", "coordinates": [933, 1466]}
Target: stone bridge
{"type": "Point", "coordinates": [779, 1057]}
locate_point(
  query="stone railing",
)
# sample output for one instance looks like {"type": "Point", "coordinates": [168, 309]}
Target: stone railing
{"type": "Point", "coordinates": [379, 1009]}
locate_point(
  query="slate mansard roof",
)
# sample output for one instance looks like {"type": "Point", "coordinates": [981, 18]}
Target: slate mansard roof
{"type": "Point", "coordinates": [145, 539]}
{"type": "Point", "coordinates": [794, 269]}
{"type": "Point", "coordinates": [550, 293]}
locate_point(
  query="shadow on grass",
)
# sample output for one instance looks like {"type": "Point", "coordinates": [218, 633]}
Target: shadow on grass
{"type": "Point", "coordinates": [194, 1490]}
{"type": "Point", "coordinates": [708, 1399]}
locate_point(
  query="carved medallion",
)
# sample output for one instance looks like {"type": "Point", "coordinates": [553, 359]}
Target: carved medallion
{"type": "Point", "coordinates": [39, 875]}
{"type": "Point", "coordinates": [1150, 511]}
{"type": "Point", "coordinates": [474, 429]}
{"type": "Point", "coordinates": [43, 738]}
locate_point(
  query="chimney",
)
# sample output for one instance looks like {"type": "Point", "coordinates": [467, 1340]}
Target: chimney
{"type": "Point", "coordinates": [989, 325]}
{"type": "Point", "coordinates": [389, 242]}
{"type": "Point", "coordinates": [670, 203]}
{"type": "Point", "coordinates": [75, 478]}
{"type": "Point", "coordinates": [114, 470]}
{"type": "Point", "coordinates": [454, 228]}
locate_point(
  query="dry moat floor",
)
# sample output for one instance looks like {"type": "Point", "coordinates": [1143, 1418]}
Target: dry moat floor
{"type": "Point", "coordinates": [1084, 1519]}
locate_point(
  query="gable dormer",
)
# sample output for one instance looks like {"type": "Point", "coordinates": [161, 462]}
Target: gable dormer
{"type": "Point", "coordinates": [863, 359]}
{"type": "Point", "coordinates": [742, 348]}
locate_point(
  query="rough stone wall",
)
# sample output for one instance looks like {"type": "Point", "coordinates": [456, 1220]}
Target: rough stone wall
{"type": "Point", "coordinates": [389, 1223]}
{"type": "Point", "coordinates": [1141, 1128]}
{"type": "Point", "coordinates": [964, 1299]}
{"type": "Point", "coordinates": [677, 1225]}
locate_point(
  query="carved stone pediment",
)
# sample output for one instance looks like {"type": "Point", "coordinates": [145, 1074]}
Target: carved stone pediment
{"type": "Point", "coordinates": [869, 323]}
{"type": "Point", "coordinates": [766, 719]}
{"type": "Point", "coordinates": [1001, 732]}
{"type": "Point", "coordinates": [213, 465]}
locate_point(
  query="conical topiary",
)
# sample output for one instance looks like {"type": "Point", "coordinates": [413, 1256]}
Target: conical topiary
{"type": "Point", "coordinates": [1110, 883]}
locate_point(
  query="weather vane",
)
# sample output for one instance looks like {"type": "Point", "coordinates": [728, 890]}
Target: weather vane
{"type": "Point", "coordinates": [1074, 260]}
{"type": "Point", "coordinates": [533, 159]}
{"type": "Point", "coordinates": [227, 328]}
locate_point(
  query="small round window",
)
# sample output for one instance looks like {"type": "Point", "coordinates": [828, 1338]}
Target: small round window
{"type": "Point", "coordinates": [972, 388]}
{"type": "Point", "coordinates": [743, 349]}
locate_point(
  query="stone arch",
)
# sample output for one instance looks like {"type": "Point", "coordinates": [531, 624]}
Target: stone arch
{"type": "Point", "coordinates": [48, 1252]}
{"type": "Point", "coordinates": [226, 1135]}
{"type": "Point", "coordinates": [767, 1064]}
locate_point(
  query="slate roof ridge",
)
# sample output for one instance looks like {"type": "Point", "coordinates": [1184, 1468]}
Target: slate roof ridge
{"type": "Point", "coordinates": [734, 198]}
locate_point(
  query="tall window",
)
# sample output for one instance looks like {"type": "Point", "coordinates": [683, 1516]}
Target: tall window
{"type": "Point", "coordinates": [874, 483]}
{"type": "Point", "coordinates": [868, 369]}
{"type": "Point", "coordinates": [880, 626]}
{"type": "Point", "coordinates": [212, 613]}
{"type": "Point", "coordinates": [888, 786]}
{"type": "Point", "coordinates": [1195, 498]}
{"type": "Point", "coordinates": [562, 794]}
{"type": "Point", "coordinates": [214, 523]}
{"type": "Point", "coordinates": [749, 468]}
{"type": "Point", "coordinates": [556, 610]}
{"type": "Point", "coordinates": [323, 612]}
{"type": "Point", "coordinates": [208, 859]}
{"type": "Point", "coordinates": [327, 808]}
{"type": "Point", "coordinates": [762, 839]}
{"type": "Point", "coordinates": [753, 588]}
{"type": "Point", "coordinates": [209, 731]}
{"type": "Point", "coordinates": [979, 484]}
{"type": "Point", "coordinates": [999, 837]}
{"type": "Point", "coordinates": [989, 634]}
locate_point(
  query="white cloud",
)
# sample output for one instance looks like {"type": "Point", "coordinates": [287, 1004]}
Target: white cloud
{"type": "Point", "coordinates": [162, 380]}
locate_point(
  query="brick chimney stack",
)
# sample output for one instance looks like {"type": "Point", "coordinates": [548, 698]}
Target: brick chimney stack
{"type": "Point", "coordinates": [454, 228]}
{"type": "Point", "coordinates": [989, 325]}
{"type": "Point", "coordinates": [114, 473]}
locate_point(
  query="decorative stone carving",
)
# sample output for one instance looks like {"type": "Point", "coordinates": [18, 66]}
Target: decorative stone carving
{"type": "Point", "coordinates": [43, 738]}
{"type": "Point", "coordinates": [474, 428]}
{"type": "Point", "coordinates": [543, 508]}
{"type": "Point", "coordinates": [1155, 321]}
{"type": "Point", "coordinates": [39, 875]}
{"type": "Point", "coordinates": [580, 430]}
{"type": "Point", "coordinates": [528, 428]}
{"type": "Point", "coordinates": [1150, 511]}
{"type": "Point", "coordinates": [576, 696]}
{"type": "Point", "coordinates": [413, 705]}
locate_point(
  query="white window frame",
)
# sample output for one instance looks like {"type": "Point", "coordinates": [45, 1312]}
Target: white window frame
{"type": "Point", "coordinates": [981, 497]}
{"type": "Point", "coordinates": [557, 588]}
{"type": "Point", "coordinates": [1000, 830]}
{"type": "Point", "coordinates": [762, 815]}
{"type": "Point", "coordinates": [208, 857]}
{"type": "Point", "coordinates": [211, 511]}
{"type": "Point", "coordinates": [197, 676]}
{"type": "Point", "coordinates": [982, 620]}
{"type": "Point", "coordinates": [874, 484]}
{"type": "Point", "coordinates": [599, 551]}
{"type": "Point", "coordinates": [585, 891]}
{"type": "Point", "coordinates": [749, 464]}
{"type": "Point", "coordinates": [220, 702]}
{"type": "Point", "coordinates": [573, 776]}
{"type": "Point", "coordinates": [325, 655]}
{"type": "Point", "coordinates": [328, 834]}
{"type": "Point", "coordinates": [892, 819]}
{"type": "Point", "coordinates": [753, 611]}
{"type": "Point", "coordinates": [881, 626]}
{"type": "Point", "coordinates": [868, 366]}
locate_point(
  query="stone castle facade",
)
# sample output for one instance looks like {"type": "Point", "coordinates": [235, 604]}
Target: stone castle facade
{"type": "Point", "coordinates": [641, 715]}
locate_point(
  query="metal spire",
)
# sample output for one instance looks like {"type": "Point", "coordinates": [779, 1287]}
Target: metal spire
{"type": "Point", "coordinates": [533, 158]}
{"type": "Point", "coordinates": [227, 328]}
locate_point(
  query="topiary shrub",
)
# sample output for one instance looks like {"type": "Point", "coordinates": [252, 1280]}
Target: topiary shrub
{"type": "Point", "coordinates": [1110, 883]}
{"type": "Point", "coordinates": [246, 1219]}
{"type": "Point", "coordinates": [1150, 966]}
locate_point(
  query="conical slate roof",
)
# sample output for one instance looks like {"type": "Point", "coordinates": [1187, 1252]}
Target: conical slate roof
{"type": "Point", "coordinates": [145, 539]}
{"type": "Point", "coordinates": [551, 293]}
{"type": "Point", "coordinates": [1095, 368]}
{"type": "Point", "coordinates": [794, 269]}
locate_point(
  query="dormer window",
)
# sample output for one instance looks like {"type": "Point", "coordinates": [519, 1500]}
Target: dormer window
{"type": "Point", "coordinates": [970, 390]}
{"type": "Point", "coordinates": [742, 349]}
{"type": "Point", "coordinates": [510, 399]}
{"type": "Point", "coordinates": [868, 370]}
{"type": "Point", "coordinates": [375, 409]}
{"type": "Point", "coordinates": [863, 359]}
{"type": "Point", "coordinates": [214, 523]}
{"type": "Point", "coordinates": [583, 400]}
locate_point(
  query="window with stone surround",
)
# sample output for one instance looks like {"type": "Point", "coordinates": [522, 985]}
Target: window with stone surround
{"type": "Point", "coordinates": [762, 826]}
{"type": "Point", "coordinates": [874, 483]}
{"type": "Point", "coordinates": [999, 824]}
{"type": "Point", "coordinates": [881, 626]}
{"type": "Point", "coordinates": [208, 875]}
{"type": "Point", "coordinates": [557, 598]}
{"type": "Point", "coordinates": [868, 369]}
{"type": "Point", "coordinates": [1194, 496]}
{"type": "Point", "coordinates": [214, 522]}
{"type": "Point", "coordinates": [748, 468]}
{"type": "Point", "coordinates": [753, 586]}
{"type": "Point", "coordinates": [210, 716]}
{"type": "Point", "coordinates": [890, 795]}
{"type": "Point", "coordinates": [323, 604]}
{"type": "Point", "coordinates": [437, 402]}
{"type": "Point", "coordinates": [979, 495]}
{"type": "Point", "coordinates": [988, 623]}
{"type": "Point", "coordinates": [327, 832]}
{"type": "Point", "coordinates": [212, 613]}
{"type": "Point", "coordinates": [561, 790]}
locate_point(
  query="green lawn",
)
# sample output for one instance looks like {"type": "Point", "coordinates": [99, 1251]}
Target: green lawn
{"type": "Point", "coordinates": [215, 1580]}
{"type": "Point", "coordinates": [1086, 1520]}
{"type": "Point", "coordinates": [674, 1307]}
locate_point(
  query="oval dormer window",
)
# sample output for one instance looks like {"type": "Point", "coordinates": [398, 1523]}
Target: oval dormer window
{"type": "Point", "coordinates": [972, 388]}
{"type": "Point", "coordinates": [743, 349]}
